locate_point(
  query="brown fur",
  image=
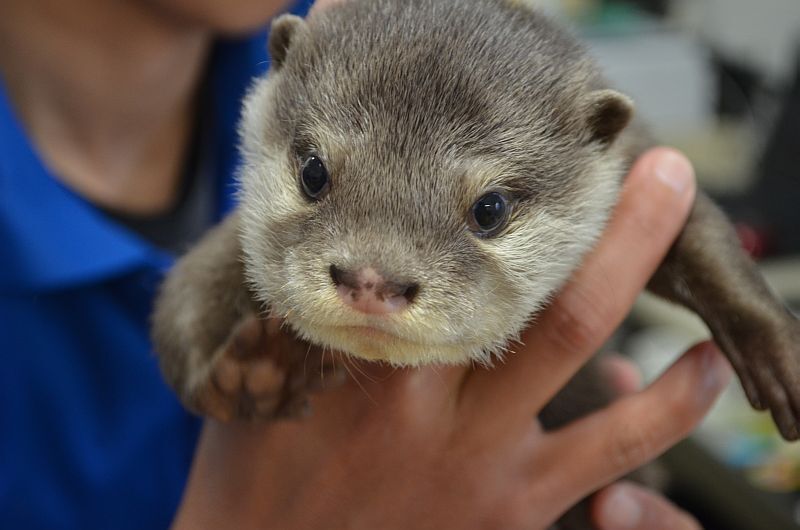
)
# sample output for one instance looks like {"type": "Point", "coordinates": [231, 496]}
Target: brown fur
{"type": "Point", "coordinates": [418, 107]}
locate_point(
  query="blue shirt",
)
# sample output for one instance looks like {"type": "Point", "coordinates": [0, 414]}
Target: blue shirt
{"type": "Point", "coordinates": [90, 436]}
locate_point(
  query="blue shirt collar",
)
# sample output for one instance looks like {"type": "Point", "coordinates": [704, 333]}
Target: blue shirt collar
{"type": "Point", "coordinates": [51, 238]}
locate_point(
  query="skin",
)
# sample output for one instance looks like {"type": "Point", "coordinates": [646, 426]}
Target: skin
{"type": "Point", "coordinates": [119, 140]}
{"type": "Point", "coordinates": [627, 504]}
{"type": "Point", "coordinates": [460, 445]}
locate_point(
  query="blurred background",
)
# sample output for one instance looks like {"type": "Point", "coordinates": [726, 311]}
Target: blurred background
{"type": "Point", "coordinates": [720, 80]}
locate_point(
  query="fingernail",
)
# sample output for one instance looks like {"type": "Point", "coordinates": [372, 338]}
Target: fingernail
{"type": "Point", "coordinates": [674, 170]}
{"type": "Point", "coordinates": [716, 372]}
{"type": "Point", "coordinates": [621, 510]}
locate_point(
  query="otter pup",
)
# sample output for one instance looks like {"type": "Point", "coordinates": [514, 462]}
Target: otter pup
{"type": "Point", "coordinates": [419, 177]}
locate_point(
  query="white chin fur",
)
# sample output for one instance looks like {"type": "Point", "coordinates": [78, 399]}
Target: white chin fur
{"type": "Point", "coordinates": [389, 348]}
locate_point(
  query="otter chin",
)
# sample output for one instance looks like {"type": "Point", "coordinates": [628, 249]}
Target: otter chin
{"type": "Point", "coordinates": [374, 344]}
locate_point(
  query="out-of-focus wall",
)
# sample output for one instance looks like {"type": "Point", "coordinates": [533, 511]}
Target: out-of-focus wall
{"type": "Point", "coordinates": [762, 34]}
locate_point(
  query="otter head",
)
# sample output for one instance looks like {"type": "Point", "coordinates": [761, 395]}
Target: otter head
{"type": "Point", "coordinates": [413, 191]}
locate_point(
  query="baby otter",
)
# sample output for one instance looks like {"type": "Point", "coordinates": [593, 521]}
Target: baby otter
{"type": "Point", "coordinates": [419, 178]}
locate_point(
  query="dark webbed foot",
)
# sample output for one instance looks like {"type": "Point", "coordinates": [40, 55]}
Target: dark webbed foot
{"type": "Point", "coordinates": [766, 355]}
{"type": "Point", "coordinates": [260, 374]}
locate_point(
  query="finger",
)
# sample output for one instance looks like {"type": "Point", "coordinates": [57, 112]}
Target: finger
{"type": "Point", "coordinates": [628, 506]}
{"type": "Point", "coordinates": [633, 430]}
{"type": "Point", "coordinates": [653, 208]}
{"type": "Point", "coordinates": [621, 373]}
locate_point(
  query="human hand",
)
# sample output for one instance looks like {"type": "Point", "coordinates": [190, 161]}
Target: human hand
{"type": "Point", "coordinates": [626, 505]}
{"type": "Point", "coordinates": [447, 447]}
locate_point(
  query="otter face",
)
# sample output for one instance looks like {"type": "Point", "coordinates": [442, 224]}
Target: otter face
{"type": "Point", "coordinates": [413, 192]}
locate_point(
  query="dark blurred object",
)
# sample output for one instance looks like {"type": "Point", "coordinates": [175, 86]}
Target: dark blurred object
{"type": "Point", "coordinates": [656, 7]}
{"type": "Point", "coordinates": [777, 191]}
{"type": "Point", "coordinates": [720, 497]}
{"type": "Point", "coordinates": [737, 86]}
{"type": "Point", "coordinates": [768, 216]}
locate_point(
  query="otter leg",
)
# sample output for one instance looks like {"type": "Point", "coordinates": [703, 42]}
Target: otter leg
{"type": "Point", "coordinates": [707, 271]}
{"type": "Point", "coordinates": [213, 347]}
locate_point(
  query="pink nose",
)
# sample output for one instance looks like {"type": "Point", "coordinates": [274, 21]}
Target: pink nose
{"type": "Point", "coordinates": [368, 292]}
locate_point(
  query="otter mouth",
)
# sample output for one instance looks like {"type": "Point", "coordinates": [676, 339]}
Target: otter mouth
{"type": "Point", "coordinates": [383, 342]}
{"type": "Point", "coordinates": [373, 333]}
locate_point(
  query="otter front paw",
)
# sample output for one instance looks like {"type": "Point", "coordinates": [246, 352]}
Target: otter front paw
{"type": "Point", "coordinates": [261, 374]}
{"type": "Point", "coordinates": [766, 355]}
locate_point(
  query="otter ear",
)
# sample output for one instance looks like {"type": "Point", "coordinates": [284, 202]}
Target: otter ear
{"type": "Point", "coordinates": [283, 29]}
{"type": "Point", "coordinates": [608, 113]}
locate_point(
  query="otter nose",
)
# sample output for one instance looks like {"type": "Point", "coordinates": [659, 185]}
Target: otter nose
{"type": "Point", "coordinates": [367, 291]}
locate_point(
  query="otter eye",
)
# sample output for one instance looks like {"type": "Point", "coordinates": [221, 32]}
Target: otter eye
{"type": "Point", "coordinates": [315, 178]}
{"type": "Point", "coordinates": [489, 214]}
